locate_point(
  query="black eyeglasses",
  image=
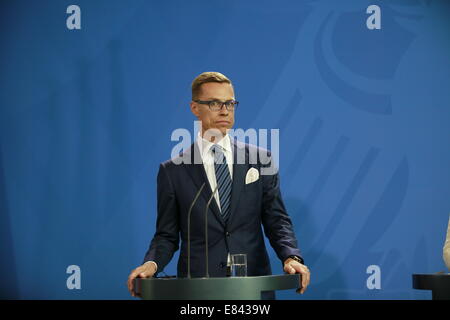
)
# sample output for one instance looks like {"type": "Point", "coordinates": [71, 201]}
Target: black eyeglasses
{"type": "Point", "coordinates": [216, 105]}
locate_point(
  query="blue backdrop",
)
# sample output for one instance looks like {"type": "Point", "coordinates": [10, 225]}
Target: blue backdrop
{"type": "Point", "coordinates": [87, 114]}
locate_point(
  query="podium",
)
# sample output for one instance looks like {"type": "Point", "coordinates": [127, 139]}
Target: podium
{"type": "Point", "coordinates": [439, 284]}
{"type": "Point", "coordinates": [229, 288]}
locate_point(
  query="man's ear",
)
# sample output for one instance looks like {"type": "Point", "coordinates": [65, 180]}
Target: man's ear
{"type": "Point", "coordinates": [194, 109]}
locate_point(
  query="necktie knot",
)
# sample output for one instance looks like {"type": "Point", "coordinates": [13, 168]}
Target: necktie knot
{"type": "Point", "coordinates": [218, 154]}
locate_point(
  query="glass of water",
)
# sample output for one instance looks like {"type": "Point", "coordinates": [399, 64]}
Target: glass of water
{"type": "Point", "coordinates": [239, 265]}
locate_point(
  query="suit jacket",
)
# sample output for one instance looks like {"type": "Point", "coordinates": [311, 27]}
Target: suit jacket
{"type": "Point", "coordinates": [253, 206]}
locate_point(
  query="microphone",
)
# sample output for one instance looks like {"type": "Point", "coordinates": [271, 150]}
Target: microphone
{"type": "Point", "coordinates": [206, 230]}
{"type": "Point", "coordinates": [189, 227]}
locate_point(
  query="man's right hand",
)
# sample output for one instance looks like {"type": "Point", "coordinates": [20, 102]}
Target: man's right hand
{"type": "Point", "coordinates": [146, 270]}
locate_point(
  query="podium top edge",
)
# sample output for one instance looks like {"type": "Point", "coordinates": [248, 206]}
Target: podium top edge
{"type": "Point", "coordinates": [297, 275]}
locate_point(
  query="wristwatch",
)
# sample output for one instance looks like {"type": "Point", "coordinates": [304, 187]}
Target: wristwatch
{"type": "Point", "coordinates": [296, 258]}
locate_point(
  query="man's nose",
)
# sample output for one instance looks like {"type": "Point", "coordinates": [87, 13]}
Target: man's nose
{"type": "Point", "coordinates": [223, 110]}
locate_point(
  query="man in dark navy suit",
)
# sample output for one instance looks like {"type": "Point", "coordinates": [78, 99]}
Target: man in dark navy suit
{"type": "Point", "coordinates": [246, 197]}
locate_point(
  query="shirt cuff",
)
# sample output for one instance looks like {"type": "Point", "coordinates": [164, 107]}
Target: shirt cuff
{"type": "Point", "coordinates": [156, 266]}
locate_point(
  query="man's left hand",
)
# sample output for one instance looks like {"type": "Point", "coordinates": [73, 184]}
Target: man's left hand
{"type": "Point", "coordinates": [291, 266]}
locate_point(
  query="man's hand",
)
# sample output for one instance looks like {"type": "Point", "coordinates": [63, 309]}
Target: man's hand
{"type": "Point", "coordinates": [291, 266]}
{"type": "Point", "coordinates": [146, 270]}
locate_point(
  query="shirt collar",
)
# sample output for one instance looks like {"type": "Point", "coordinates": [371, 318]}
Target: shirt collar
{"type": "Point", "coordinates": [205, 145]}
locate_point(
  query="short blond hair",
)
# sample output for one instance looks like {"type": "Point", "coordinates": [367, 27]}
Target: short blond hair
{"type": "Point", "coordinates": [205, 77]}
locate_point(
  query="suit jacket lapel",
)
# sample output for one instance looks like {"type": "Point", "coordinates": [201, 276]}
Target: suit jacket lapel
{"type": "Point", "coordinates": [198, 175]}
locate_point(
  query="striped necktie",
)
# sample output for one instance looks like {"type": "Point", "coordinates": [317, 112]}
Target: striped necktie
{"type": "Point", "coordinates": [223, 180]}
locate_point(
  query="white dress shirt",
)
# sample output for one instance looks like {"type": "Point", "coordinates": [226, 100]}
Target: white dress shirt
{"type": "Point", "coordinates": [208, 163]}
{"type": "Point", "coordinates": [208, 160]}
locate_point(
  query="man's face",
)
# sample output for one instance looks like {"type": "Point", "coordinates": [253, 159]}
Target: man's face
{"type": "Point", "coordinates": [222, 119]}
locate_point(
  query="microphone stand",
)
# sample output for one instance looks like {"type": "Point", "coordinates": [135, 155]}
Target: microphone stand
{"type": "Point", "coordinates": [189, 228]}
{"type": "Point", "coordinates": [206, 231]}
